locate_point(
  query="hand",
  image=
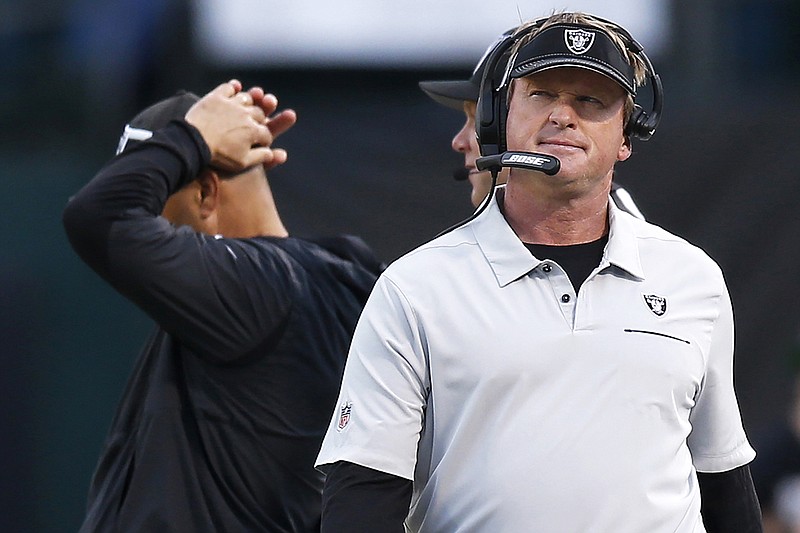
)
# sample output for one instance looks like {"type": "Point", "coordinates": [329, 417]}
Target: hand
{"type": "Point", "coordinates": [277, 123]}
{"type": "Point", "coordinates": [235, 126]}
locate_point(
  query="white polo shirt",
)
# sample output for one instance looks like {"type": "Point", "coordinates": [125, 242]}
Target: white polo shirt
{"type": "Point", "coordinates": [517, 405]}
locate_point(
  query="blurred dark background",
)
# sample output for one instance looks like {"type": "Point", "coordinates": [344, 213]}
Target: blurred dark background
{"type": "Point", "coordinates": [370, 155]}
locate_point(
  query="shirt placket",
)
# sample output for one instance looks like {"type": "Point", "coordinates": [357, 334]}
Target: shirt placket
{"type": "Point", "coordinates": [563, 292]}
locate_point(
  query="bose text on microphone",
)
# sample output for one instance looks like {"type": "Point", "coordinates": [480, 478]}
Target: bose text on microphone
{"type": "Point", "coordinates": [526, 160]}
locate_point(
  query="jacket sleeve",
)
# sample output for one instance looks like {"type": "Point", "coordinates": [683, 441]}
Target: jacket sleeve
{"type": "Point", "coordinates": [220, 297]}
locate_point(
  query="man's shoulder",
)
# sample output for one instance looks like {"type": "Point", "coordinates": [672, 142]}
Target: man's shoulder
{"type": "Point", "coordinates": [657, 244]}
{"type": "Point", "coordinates": [447, 255]}
{"type": "Point", "coordinates": [346, 247]}
{"type": "Point", "coordinates": [346, 256]}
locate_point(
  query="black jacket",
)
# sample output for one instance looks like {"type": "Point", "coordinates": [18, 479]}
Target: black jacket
{"type": "Point", "coordinates": [225, 411]}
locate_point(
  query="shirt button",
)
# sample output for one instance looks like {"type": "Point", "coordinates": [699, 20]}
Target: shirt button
{"type": "Point", "coordinates": [565, 298]}
{"type": "Point", "coordinates": [547, 268]}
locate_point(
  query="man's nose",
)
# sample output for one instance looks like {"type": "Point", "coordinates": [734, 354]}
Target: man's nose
{"type": "Point", "coordinates": [563, 113]}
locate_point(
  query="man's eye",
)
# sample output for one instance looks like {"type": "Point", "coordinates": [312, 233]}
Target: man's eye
{"type": "Point", "coordinates": [591, 100]}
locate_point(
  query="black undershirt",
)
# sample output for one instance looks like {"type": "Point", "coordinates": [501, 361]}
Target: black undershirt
{"type": "Point", "coordinates": [357, 499]}
{"type": "Point", "coordinates": [577, 260]}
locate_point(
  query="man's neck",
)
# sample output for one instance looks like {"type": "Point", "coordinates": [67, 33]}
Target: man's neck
{"type": "Point", "coordinates": [252, 212]}
{"type": "Point", "coordinates": [541, 217]}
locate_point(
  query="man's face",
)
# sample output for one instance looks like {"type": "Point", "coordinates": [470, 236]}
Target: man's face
{"type": "Point", "coordinates": [466, 143]}
{"type": "Point", "coordinates": [573, 114]}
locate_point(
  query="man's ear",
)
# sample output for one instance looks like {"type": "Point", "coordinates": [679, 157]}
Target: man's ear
{"type": "Point", "coordinates": [209, 193]}
{"type": "Point", "coordinates": [626, 149]}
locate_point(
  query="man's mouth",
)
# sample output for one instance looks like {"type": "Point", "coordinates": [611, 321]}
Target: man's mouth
{"type": "Point", "coordinates": [560, 144]}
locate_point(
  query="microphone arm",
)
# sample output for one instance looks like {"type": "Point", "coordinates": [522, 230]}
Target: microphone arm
{"type": "Point", "coordinates": [526, 160]}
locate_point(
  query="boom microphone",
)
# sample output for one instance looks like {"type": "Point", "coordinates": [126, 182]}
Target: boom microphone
{"type": "Point", "coordinates": [526, 160]}
{"type": "Point", "coordinates": [461, 174]}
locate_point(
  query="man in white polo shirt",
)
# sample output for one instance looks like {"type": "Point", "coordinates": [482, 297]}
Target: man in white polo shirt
{"type": "Point", "coordinates": [554, 364]}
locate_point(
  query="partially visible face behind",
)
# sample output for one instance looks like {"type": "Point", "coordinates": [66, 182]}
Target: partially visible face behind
{"type": "Point", "coordinates": [466, 143]}
{"type": "Point", "coordinates": [573, 114]}
{"type": "Point", "coordinates": [183, 207]}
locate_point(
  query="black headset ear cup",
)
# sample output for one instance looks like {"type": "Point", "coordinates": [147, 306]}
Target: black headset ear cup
{"type": "Point", "coordinates": [502, 115]}
{"type": "Point", "coordinates": [641, 125]}
{"type": "Point", "coordinates": [486, 121]}
{"type": "Point", "coordinates": [490, 116]}
{"type": "Point", "coordinates": [635, 124]}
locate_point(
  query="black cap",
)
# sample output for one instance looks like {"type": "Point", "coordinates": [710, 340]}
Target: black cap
{"type": "Point", "coordinates": [574, 45]}
{"type": "Point", "coordinates": [155, 117]}
{"type": "Point", "coordinates": [453, 93]}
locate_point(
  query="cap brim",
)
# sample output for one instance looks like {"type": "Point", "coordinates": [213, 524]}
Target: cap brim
{"type": "Point", "coordinates": [570, 61]}
{"type": "Point", "coordinates": [590, 49]}
{"type": "Point", "coordinates": [452, 93]}
{"type": "Point", "coordinates": [156, 117]}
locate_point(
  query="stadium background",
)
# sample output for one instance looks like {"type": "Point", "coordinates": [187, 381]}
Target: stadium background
{"type": "Point", "coordinates": [370, 155]}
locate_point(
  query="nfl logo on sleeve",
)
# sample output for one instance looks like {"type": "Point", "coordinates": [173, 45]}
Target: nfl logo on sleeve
{"type": "Point", "coordinates": [344, 415]}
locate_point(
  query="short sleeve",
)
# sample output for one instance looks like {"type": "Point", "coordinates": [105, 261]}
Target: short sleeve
{"type": "Point", "coordinates": [718, 442]}
{"type": "Point", "coordinates": [378, 417]}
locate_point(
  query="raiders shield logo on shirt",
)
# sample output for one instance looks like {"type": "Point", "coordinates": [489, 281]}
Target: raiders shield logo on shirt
{"type": "Point", "coordinates": [657, 304]}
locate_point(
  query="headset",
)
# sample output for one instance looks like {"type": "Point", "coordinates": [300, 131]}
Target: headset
{"type": "Point", "coordinates": [490, 123]}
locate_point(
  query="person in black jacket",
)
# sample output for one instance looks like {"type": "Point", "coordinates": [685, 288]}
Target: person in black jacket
{"type": "Point", "coordinates": [227, 405]}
